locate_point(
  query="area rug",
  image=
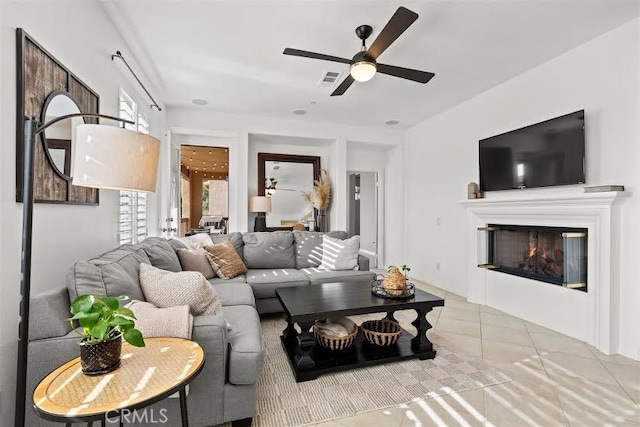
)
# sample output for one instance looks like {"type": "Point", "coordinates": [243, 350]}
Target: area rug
{"type": "Point", "coordinates": [283, 402]}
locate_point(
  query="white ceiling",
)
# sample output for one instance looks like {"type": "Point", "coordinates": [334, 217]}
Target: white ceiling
{"type": "Point", "coordinates": [230, 52]}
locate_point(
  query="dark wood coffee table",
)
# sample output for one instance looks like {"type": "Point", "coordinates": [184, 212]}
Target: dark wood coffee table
{"type": "Point", "coordinates": [306, 304]}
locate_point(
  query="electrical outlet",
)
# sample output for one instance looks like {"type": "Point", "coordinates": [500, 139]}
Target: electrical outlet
{"type": "Point", "coordinates": [438, 221]}
{"type": "Point", "coordinates": [438, 266]}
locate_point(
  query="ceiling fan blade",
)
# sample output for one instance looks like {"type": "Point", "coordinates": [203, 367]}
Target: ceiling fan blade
{"type": "Point", "coordinates": [343, 86]}
{"type": "Point", "coordinates": [313, 55]}
{"type": "Point", "coordinates": [405, 73]}
{"type": "Point", "coordinates": [399, 22]}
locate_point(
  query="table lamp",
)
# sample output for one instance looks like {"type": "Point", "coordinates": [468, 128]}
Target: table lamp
{"type": "Point", "coordinates": [105, 157]}
{"type": "Point", "coordinates": [261, 205]}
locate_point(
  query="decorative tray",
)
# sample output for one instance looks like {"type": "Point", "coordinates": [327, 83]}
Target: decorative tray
{"type": "Point", "coordinates": [377, 290]}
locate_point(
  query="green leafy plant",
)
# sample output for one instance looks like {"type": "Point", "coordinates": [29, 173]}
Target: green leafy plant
{"type": "Point", "coordinates": [102, 319]}
{"type": "Point", "coordinates": [405, 269]}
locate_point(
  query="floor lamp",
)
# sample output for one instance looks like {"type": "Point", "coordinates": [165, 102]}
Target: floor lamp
{"type": "Point", "coordinates": [104, 157]}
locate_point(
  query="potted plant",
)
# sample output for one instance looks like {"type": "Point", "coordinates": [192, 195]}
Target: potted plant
{"type": "Point", "coordinates": [103, 324]}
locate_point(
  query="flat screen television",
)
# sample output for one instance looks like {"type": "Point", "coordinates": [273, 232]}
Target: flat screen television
{"type": "Point", "coordinates": [541, 155]}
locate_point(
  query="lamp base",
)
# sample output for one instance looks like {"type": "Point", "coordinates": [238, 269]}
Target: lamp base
{"type": "Point", "coordinates": [261, 222]}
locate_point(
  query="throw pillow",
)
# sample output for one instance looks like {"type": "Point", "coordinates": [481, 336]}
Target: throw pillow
{"type": "Point", "coordinates": [225, 261]}
{"type": "Point", "coordinates": [168, 289]}
{"type": "Point", "coordinates": [340, 254]}
{"type": "Point", "coordinates": [162, 322]}
{"type": "Point", "coordinates": [196, 241]}
{"type": "Point", "coordinates": [196, 260]}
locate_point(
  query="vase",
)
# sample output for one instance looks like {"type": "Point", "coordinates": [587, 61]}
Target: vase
{"type": "Point", "coordinates": [100, 358]}
{"type": "Point", "coordinates": [320, 221]}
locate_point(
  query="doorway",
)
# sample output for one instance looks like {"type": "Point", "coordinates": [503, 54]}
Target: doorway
{"type": "Point", "coordinates": [363, 212]}
{"type": "Point", "coordinates": [204, 191]}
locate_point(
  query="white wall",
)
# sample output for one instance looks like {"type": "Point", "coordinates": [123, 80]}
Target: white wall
{"type": "Point", "coordinates": [81, 36]}
{"type": "Point", "coordinates": [242, 169]}
{"type": "Point", "coordinates": [602, 77]}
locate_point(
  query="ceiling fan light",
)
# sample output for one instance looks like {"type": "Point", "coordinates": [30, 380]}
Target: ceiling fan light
{"type": "Point", "coordinates": [363, 71]}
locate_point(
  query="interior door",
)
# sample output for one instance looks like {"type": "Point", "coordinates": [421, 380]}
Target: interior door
{"type": "Point", "coordinates": [363, 212]}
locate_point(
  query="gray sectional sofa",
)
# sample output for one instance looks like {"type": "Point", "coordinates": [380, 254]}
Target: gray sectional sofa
{"type": "Point", "coordinates": [226, 388]}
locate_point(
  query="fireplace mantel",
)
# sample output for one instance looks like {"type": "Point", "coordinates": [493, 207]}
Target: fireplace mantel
{"type": "Point", "coordinates": [591, 316]}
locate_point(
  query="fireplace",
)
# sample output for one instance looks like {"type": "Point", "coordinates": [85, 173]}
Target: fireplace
{"type": "Point", "coordinates": [548, 254]}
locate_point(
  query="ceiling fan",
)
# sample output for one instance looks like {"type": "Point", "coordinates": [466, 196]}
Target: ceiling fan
{"type": "Point", "coordinates": [363, 64]}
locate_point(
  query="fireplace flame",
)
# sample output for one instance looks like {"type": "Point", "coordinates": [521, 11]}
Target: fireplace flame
{"type": "Point", "coordinates": [532, 252]}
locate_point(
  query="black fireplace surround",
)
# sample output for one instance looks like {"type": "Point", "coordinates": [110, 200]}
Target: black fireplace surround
{"type": "Point", "coordinates": [556, 255]}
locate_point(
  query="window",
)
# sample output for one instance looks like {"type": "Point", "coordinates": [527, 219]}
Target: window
{"type": "Point", "coordinates": [133, 205]}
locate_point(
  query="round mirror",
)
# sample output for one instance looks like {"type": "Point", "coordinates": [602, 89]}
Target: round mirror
{"type": "Point", "coordinates": [58, 137]}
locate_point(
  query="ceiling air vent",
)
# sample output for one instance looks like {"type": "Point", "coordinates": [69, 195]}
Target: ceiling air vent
{"type": "Point", "coordinates": [329, 78]}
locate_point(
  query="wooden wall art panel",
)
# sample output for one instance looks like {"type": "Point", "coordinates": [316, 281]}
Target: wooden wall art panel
{"type": "Point", "coordinates": [39, 76]}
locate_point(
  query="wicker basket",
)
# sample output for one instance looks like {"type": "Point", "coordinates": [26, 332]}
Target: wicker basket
{"type": "Point", "coordinates": [381, 332]}
{"type": "Point", "coordinates": [335, 343]}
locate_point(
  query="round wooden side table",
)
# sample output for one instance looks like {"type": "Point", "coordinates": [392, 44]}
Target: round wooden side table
{"type": "Point", "coordinates": [145, 376]}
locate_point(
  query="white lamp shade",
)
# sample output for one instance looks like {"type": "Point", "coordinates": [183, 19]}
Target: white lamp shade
{"type": "Point", "coordinates": [260, 204]}
{"type": "Point", "coordinates": [115, 158]}
{"type": "Point", "coordinates": [363, 71]}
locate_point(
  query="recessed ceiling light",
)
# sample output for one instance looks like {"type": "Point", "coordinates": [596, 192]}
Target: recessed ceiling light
{"type": "Point", "coordinates": [200, 102]}
{"type": "Point", "coordinates": [299, 112]}
{"type": "Point", "coordinates": [392, 122]}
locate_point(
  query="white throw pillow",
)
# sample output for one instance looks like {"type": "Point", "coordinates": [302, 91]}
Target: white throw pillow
{"type": "Point", "coordinates": [197, 241]}
{"type": "Point", "coordinates": [168, 289]}
{"type": "Point", "coordinates": [339, 254]}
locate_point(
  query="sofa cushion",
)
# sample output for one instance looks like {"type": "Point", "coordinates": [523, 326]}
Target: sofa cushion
{"type": "Point", "coordinates": [317, 276]}
{"type": "Point", "coordinates": [224, 260]}
{"type": "Point", "coordinates": [340, 254]}
{"type": "Point", "coordinates": [176, 244]}
{"type": "Point", "coordinates": [49, 311]}
{"type": "Point", "coordinates": [308, 245]}
{"type": "Point", "coordinates": [113, 273]}
{"type": "Point", "coordinates": [195, 241]}
{"type": "Point", "coordinates": [245, 344]}
{"type": "Point", "coordinates": [265, 281]}
{"type": "Point", "coordinates": [234, 294]}
{"type": "Point", "coordinates": [269, 250]}
{"type": "Point", "coordinates": [196, 260]}
{"type": "Point", "coordinates": [168, 289]}
{"type": "Point", "coordinates": [161, 254]}
{"type": "Point", "coordinates": [235, 238]}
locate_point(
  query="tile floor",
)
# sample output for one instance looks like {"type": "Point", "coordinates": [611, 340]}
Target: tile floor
{"type": "Point", "coordinates": [557, 380]}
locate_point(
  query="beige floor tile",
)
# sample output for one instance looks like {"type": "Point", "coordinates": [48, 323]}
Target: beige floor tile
{"type": "Point", "coordinates": [460, 314]}
{"type": "Point", "coordinates": [459, 327]}
{"type": "Point", "coordinates": [504, 320]}
{"type": "Point", "coordinates": [451, 295]}
{"type": "Point", "coordinates": [569, 365]}
{"type": "Point", "coordinates": [527, 381]}
{"type": "Point", "coordinates": [491, 310]}
{"type": "Point", "coordinates": [329, 424]}
{"type": "Point", "coordinates": [579, 416]}
{"type": "Point", "coordinates": [535, 328]}
{"type": "Point", "coordinates": [510, 353]}
{"type": "Point", "coordinates": [507, 335]}
{"type": "Point", "coordinates": [461, 304]}
{"type": "Point", "coordinates": [506, 406]}
{"type": "Point", "coordinates": [609, 399]}
{"type": "Point", "coordinates": [456, 342]}
{"type": "Point", "coordinates": [391, 417]}
{"type": "Point", "coordinates": [465, 408]}
{"type": "Point", "coordinates": [560, 343]}
{"type": "Point", "coordinates": [431, 289]}
{"type": "Point", "coordinates": [634, 393]}
{"type": "Point", "coordinates": [627, 375]}
{"type": "Point", "coordinates": [615, 358]}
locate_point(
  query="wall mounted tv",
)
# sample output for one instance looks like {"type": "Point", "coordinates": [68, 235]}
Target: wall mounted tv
{"type": "Point", "coordinates": [541, 155]}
